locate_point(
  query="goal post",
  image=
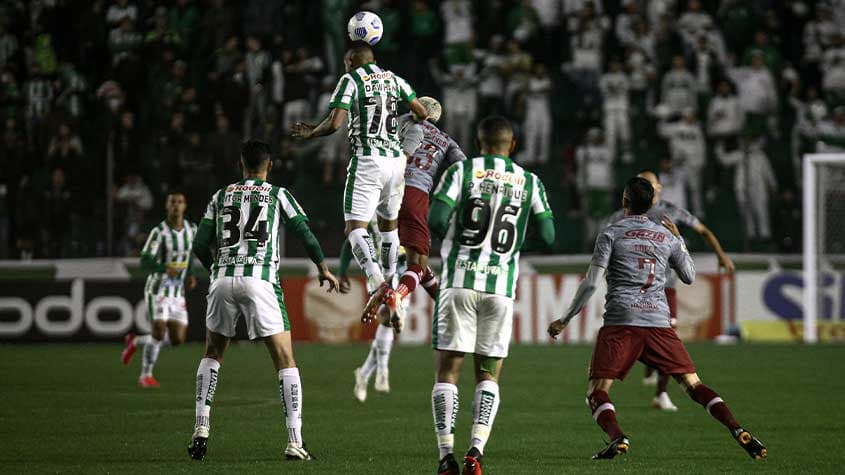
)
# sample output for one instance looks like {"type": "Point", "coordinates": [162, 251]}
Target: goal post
{"type": "Point", "coordinates": [823, 195]}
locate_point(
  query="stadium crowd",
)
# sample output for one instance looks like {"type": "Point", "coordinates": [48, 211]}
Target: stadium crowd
{"type": "Point", "coordinates": [124, 100]}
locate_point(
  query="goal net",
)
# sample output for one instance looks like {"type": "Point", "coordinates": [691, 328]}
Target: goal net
{"type": "Point", "coordinates": [824, 241]}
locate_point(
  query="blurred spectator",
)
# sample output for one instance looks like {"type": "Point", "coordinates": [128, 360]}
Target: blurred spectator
{"type": "Point", "coordinates": [457, 25]}
{"type": "Point", "coordinates": [586, 45]}
{"type": "Point", "coordinates": [705, 65]}
{"type": "Point", "coordinates": [424, 29]}
{"type": "Point", "coordinates": [10, 95]}
{"type": "Point", "coordinates": [119, 10]}
{"type": "Point", "coordinates": [833, 76]}
{"type": "Point", "coordinates": [257, 75]}
{"type": "Point", "coordinates": [12, 158]}
{"type": "Point", "coordinates": [335, 148]}
{"type": "Point", "coordinates": [65, 150]}
{"type": "Point", "coordinates": [224, 146]}
{"type": "Point", "coordinates": [233, 93]}
{"type": "Point", "coordinates": [226, 58]}
{"type": "Point", "coordinates": [831, 133]}
{"type": "Point", "coordinates": [184, 20]}
{"type": "Point", "coordinates": [757, 94]}
{"type": "Point", "coordinates": [692, 22]}
{"type": "Point", "coordinates": [39, 98]}
{"type": "Point", "coordinates": [300, 72]}
{"type": "Point", "coordinates": [754, 182]}
{"type": "Point", "coordinates": [689, 151]}
{"type": "Point", "coordinates": [72, 90]}
{"type": "Point", "coordinates": [136, 199]}
{"type": "Point", "coordinates": [550, 16]}
{"type": "Point", "coordinates": [625, 21]}
{"type": "Point", "coordinates": [172, 144]}
{"type": "Point", "coordinates": [595, 181]}
{"type": "Point", "coordinates": [127, 145]}
{"type": "Point", "coordinates": [523, 21]}
{"type": "Point", "coordinates": [217, 25]}
{"type": "Point", "coordinates": [537, 126]}
{"type": "Point", "coordinates": [678, 89]}
{"type": "Point", "coordinates": [460, 102]}
{"type": "Point", "coordinates": [617, 120]}
{"type": "Point", "coordinates": [818, 36]}
{"type": "Point", "coordinates": [124, 40]}
{"type": "Point", "coordinates": [771, 55]}
{"type": "Point", "coordinates": [674, 182]}
{"type": "Point", "coordinates": [491, 85]}
{"type": "Point", "coordinates": [787, 223]}
{"type": "Point", "coordinates": [8, 46]}
{"type": "Point", "coordinates": [725, 117]}
{"type": "Point", "coordinates": [57, 217]}
{"type": "Point", "coordinates": [161, 35]}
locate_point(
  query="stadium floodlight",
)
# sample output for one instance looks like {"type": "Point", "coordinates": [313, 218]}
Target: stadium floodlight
{"type": "Point", "coordinates": [823, 210]}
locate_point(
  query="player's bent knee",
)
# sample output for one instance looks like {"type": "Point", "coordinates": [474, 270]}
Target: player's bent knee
{"type": "Point", "coordinates": [353, 225]}
{"type": "Point", "coordinates": [385, 225]}
{"type": "Point", "coordinates": [488, 368]}
{"type": "Point", "coordinates": [689, 380]}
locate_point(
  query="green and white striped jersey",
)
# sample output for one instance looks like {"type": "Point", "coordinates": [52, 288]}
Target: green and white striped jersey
{"type": "Point", "coordinates": [371, 95]}
{"type": "Point", "coordinates": [246, 217]}
{"type": "Point", "coordinates": [167, 246]}
{"type": "Point", "coordinates": [493, 198]}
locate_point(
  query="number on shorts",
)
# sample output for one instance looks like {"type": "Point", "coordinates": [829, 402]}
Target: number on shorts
{"type": "Point", "coordinates": [650, 264]}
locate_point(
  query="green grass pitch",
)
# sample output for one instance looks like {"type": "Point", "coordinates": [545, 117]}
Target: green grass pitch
{"type": "Point", "coordinates": [74, 408]}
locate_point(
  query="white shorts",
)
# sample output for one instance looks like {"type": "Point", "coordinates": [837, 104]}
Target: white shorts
{"type": "Point", "coordinates": [373, 185]}
{"type": "Point", "coordinates": [260, 302]}
{"type": "Point", "coordinates": [169, 309]}
{"type": "Point", "coordinates": [469, 321]}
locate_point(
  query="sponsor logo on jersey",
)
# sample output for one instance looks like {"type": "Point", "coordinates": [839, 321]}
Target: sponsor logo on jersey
{"type": "Point", "coordinates": [380, 76]}
{"type": "Point", "coordinates": [504, 177]}
{"type": "Point", "coordinates": [473, 266]}
{"type": "Point", "coordinates": [645, 234]}
{"type": "Point", "coordinates": [233, 188]}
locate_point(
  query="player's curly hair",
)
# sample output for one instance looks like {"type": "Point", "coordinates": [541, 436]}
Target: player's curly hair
{"type": "Point", "coordinates": [639, 194]}
{"type": "Point", "coordinates": [254, 154]}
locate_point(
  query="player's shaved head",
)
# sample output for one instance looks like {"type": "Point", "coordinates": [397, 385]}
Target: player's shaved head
{"type": "Point", "coordinates": [495, 135]}
{"type": "Point", "coordinates": [655, 182]}
{"type": "Point", "coordinates": [255, 155]}
{"type": "Point", "coordinates": [638, 196]}
{"type": "Point", "coordinates": [360, 53]}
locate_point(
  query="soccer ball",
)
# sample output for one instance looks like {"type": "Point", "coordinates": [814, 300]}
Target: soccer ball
{"type": "Point", "coordinates": [365, 26]}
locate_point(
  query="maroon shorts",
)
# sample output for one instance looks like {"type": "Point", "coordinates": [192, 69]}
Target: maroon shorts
{"type": "Point", "coordinates": [618, 347]}
{"type": "Point", "coordinates": [413, 221]}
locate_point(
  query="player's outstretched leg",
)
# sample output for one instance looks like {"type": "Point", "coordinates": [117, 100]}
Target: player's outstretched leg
{"type": "Point", "coordinates": [384, 344]}
{"type": "Point", "coordinates": [717, 408]}
{"type": "Point", "coordinates": [207, 374]}
{"type": "Point", "coordinates": [129, 348]}
{"type": "Point", "coordinates": [363, 373]}
{"type": "Point", "coordinates": [604, 413]}
{"type": "Point", "coordinates": [364, 252]}
{"type": "Point", "coordinates": [661, 399]}
{"type": "Point", "coordinates": [444, 405]}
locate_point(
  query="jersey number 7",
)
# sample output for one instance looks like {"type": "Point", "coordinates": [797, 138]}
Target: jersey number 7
{"type": "Point", "coordinates": [650, 264]}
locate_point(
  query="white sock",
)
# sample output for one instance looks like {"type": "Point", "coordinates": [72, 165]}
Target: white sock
{"type": "Point", "coordinates": [142, 340]}
{"type": "Point", "coordinates": [364, 252]}
{"type": "Point", "coordinates": [150, 356]}
{"type": "Point", "coordinates": [291, 391]}
{"type": "Point", "coordinates": [485, 405]}
{"type": "Point", "coordinates": [444, 406]}
{"type": "Point", "coordinates": [389, 252]}
{"type": "Point", "coordinates": [384, 343]}
{"type": "Point", "coordinates": [371, 362]}
{"type": "Point", "coordinates": [206, 386]}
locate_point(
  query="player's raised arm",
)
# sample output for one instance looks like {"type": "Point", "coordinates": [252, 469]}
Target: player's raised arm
{"type": "Point", "coordinates": [714, 244]}
{"type": "Point", "coordinates": [680, 259]}
{"type": "Point", "coordinates": [341, 102]}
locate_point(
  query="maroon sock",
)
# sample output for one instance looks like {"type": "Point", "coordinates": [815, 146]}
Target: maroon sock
{"type": "Point", "coordinates": [604, 413]}
{"type": "Point", "coordinates": [409, 280]}
{"type": "Point", "coordinates": [429, 282]}
{"type": "Point", "coordinates": [662, 383]}
{"type": "Point", "coordinates": [714, 405]}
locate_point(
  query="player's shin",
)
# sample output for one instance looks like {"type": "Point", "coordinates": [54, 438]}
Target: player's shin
{"type": "Point", "coordinates": [364, 252]}
{"type": "Point", "coordinates": [409, 280]}
{"type": "Point", "coordinates": [384, 343]}
{"type": "Point", "coordinates": [429, 282]}
{"type": "Point", "coordinates": [207, 374]}
{"type": "Point", "coordinates": [444, 405]}
{"type": "Point", "coordinates": [604, 413]}
{"type": "Point", "coordinates": [389, 252]}
{"type": "Point", "coordinates": [714, 405]}
{"type": "Point", "coordinates": [485, 405]}
{"type": "Point", "coordinates": [150, 356]}
{"type": "Point", "coordinates": [290, 389]}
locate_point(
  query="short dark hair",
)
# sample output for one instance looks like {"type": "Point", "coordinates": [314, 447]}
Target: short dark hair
{"type": "Point", "coordinates": [640, 194]}
{"type": "Point", "coordinates": [254, 154]}
{"type": "Point", "coordinates": [495, 131]}
{"type": "Point", "coordinates": [177, 191]}
{"type": "Point", "coordinates": [360, 51]}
